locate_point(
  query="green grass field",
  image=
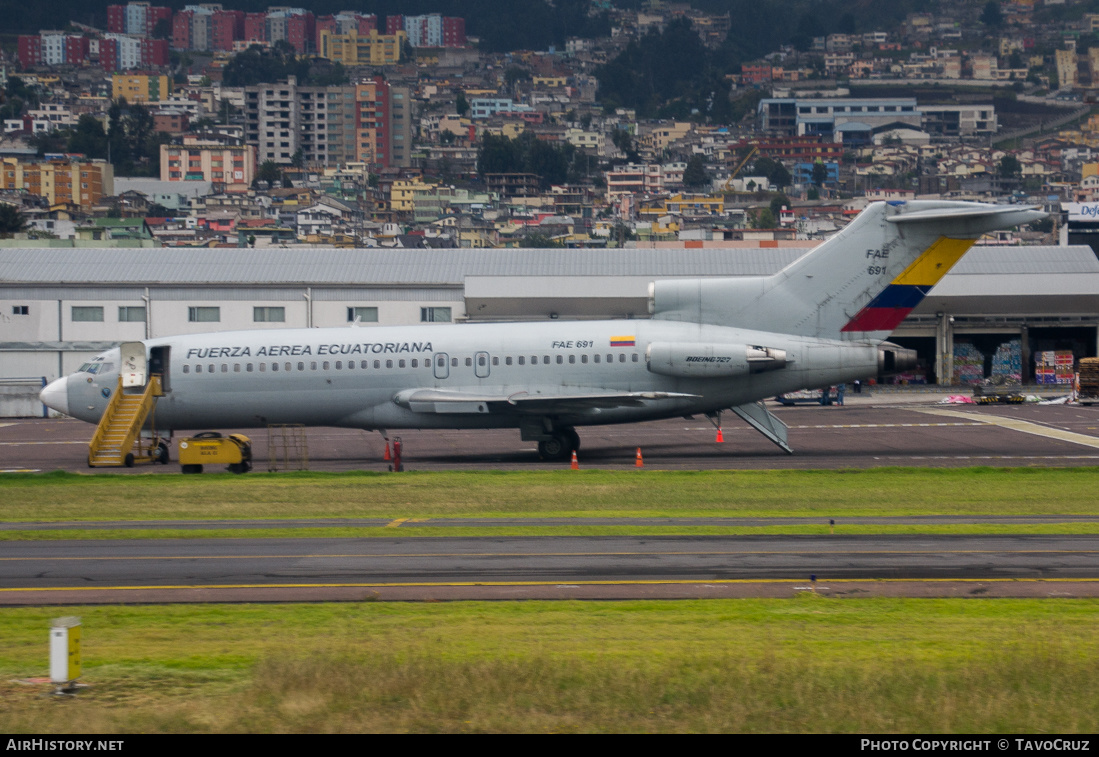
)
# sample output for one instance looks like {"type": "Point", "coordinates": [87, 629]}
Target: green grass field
{"type": "Point", "coordinates": [809, 664]}
{"type": "Point", "coordinates": [825, 494]}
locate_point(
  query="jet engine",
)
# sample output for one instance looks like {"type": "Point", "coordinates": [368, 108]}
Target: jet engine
{"type": "Point", "coordinates": [701, 360]}
{"type": "Point", "coordinates": [892, 358]}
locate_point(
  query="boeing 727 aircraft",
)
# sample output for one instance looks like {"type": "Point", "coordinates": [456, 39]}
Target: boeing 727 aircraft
{"type": "Point", "coordinates": [711, 345]}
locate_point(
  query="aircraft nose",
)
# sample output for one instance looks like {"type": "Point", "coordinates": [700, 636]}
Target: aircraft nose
{"type": "Point", "coordinates": [56, 395]}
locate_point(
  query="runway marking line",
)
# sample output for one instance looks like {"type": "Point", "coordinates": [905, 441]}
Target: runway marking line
{"type": "Point", "coordinates": [28, 444]}
{"type": "Point", "coordinates": [652, 582]}
{"type": "Point", "coordinates": [576, 554]}
{"type": "Point", "coordinates": [1014, 424]}
{"type": "Point", "coordinates": [396, 522]}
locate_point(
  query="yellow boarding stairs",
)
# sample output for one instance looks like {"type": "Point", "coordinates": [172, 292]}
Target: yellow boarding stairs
{"type": "Point", "coordinates": [120, 428]}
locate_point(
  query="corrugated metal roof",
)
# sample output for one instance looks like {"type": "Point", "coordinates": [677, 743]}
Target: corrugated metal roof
{"type": "Point", "coordinates": [316, 265]}
{"type": "Point", "coordinates": [365, 267]}
{"type": "Point", "coordinates": [1040, 259]}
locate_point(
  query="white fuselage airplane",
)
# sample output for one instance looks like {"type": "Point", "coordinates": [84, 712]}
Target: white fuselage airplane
{"type": "Point", "coordinates": [711, 345]}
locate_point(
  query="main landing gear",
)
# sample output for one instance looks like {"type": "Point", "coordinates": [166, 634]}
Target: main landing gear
{"type": "Point", "coordinates": [560, 445]}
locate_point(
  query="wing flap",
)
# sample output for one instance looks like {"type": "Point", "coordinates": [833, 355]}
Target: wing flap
{"type": "Point", "coordinates": [442, 401]}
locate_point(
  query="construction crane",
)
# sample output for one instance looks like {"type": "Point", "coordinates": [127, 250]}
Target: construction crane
{"type": "Point", "coordinates": [728, 187]}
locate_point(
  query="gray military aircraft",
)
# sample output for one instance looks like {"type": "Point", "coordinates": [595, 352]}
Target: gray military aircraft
{"type": "Point", "coordinates": [711, 345]}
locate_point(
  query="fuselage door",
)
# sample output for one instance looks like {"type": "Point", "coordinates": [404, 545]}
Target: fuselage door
{"type": "Point", "coordinates": [480, 365]}
{"type": "Point", "coordinates": [442, 365]}
{"type": "Point", "coordinates": [160, 364]}
{"type": "Point", "coordinates": [134, 368]}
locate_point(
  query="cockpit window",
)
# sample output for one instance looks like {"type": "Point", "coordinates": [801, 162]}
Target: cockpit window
{"type": "Point", "coordinates": [106, 367]}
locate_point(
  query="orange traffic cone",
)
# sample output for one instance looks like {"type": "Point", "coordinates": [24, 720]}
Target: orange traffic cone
{"type": "Point", "coordinates": [640, 463]}
{"type": "Point", "coordinates": [720, 438]}
{"type": "Point", "coordinates": [387, 455]}
{"type": "Point", "coordinates": [575, 462]}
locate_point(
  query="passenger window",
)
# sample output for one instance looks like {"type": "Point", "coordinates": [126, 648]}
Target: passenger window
{"type": "Point", "coordinates": [388, 363]}
{"type": "Point", "coordinates": [595, 357]}
{"type": "Point", "coordinates": [495, 361]}
{"type": "Point", "coordinates": [274, 366]}
{"type": "Point", "coordinates": [350, 364]}
{"type": "Point", "coordinates": [186, 369]}
{"type": "Point", "coordinates": [377, 364]}
{"type": "Point", "coordinates": [469, 362]}
{"type": "Point", "coordinates": [236, 367]}
{"type": "Point", "coordinates": [621, 357]}
{"type": "Point", "coordinates": [339, 364]}
{"type": "Point", "coordinates": [635, 357]}
{"type": "Point", "coordinates": [313, 365]}
{"type": "Point", "coordinates": [560, 359]}
{"type": "Point", "coordinates": [263, 367]}
{"type": "Point", "coordinates": [610, 358]}
{"type": "Point", "coordinates": [288, 366]}
{"type": "Point", "coordinates": [522, 360]}
{"type": "Point", "coordinates": [481, 361]}
{"type": "Point", "coordinates": [248, 368]}
{"type": "Point", "coordinates": [301, 366]}
{"type": "Point", "coordinates": [210, 368]}
{"type": "Point", "coordinates": [583, 358]}
{"type": "Point", "coordinates": [572, 359]}
{"type": "Point", "coordinates": [415, 363]}
{"type": "Point", "coordinates": [454, 362]}
{"type": "Point", "coordinates": [324, 365]}
{"type": "Point", "coordinates": [364, 364]}
{"type": "Point", "coordinates": [534, 360]}
{"type": "Point", "coordinates": [507, 361]}
{"type": "Point", "coordinates": [400, 363]}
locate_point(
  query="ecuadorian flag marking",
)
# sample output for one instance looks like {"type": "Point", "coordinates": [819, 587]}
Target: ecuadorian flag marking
{"type": "Point", "coordinates": [886, 311]}
{"type": "Point", "coordinates": [622, 341]}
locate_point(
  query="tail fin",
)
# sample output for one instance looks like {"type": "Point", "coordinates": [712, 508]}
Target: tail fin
{"type": "Point", "coordinates": [860, 284]}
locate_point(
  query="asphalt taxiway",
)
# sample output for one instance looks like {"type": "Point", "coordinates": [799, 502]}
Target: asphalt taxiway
{"type": "Point", "coordinates": [907, 430]}
{"type": "Point", "coordinates": [910, 430]}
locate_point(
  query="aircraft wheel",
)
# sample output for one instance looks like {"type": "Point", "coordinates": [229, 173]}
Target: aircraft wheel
{"type": "Point", "coordinates": [555, 448]}
{"type": "Point", "coordinates": [162, 455]}
{"type": "Point", "coordinates": [129, 461]}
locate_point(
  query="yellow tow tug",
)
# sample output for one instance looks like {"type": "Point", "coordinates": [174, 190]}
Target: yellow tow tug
{"type": "Point", "coordinates": [211, 448]}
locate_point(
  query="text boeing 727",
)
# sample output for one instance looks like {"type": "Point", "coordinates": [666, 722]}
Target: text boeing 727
{"type": "Point", "coordinates": [711, 345]}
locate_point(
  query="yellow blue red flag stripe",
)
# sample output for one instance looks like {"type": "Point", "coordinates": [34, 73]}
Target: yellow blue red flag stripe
{"type": "Point", "coordinates": [622, 341]}
{"type": "Point", "coordinates": [893, 304]}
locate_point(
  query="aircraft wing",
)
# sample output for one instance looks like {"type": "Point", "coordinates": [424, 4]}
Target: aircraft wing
{"type": "Point", "coordinates": [443, 401]}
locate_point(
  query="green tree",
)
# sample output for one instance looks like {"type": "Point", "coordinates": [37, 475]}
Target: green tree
{"type": "Point", "coordinates": [269, 172]}
{"type": "Point", "coordinates": [461, 105]}
{"type": "Point", "coordinates": [775, 172]}
{"type": "Point", "coordinates": [763, 219]}
{"type": "Point", "coordinates": [694, 175]}
{"type": "Point", "coordinates": [820, 173]}
{"type": "Point", "coordinates": [11, 220]}
{"type": "Point", "coordinates": [778, 202]}
{"type": "Point", "coordinates": [1010, 167]}
{"type": "Point", "coordinates": [991, 15]}
{"type": "Point", "coordinates": [88, 137]}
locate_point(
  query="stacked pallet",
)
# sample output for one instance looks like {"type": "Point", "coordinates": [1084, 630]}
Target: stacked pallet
{"type": "Point", "coordinates": [969, 364]}
{"type": "Point", "coordinates": [1053, 367]}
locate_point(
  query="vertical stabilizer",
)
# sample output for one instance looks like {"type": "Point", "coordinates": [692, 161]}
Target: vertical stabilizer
{"type": "Point", "coordinates": [859, 285]}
